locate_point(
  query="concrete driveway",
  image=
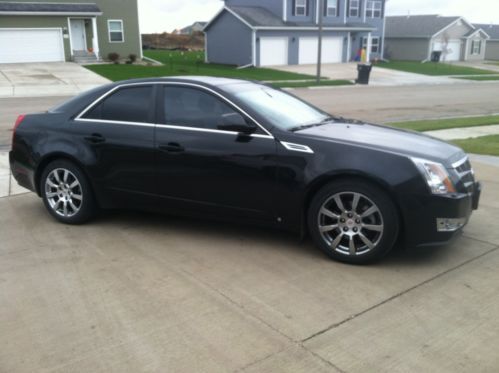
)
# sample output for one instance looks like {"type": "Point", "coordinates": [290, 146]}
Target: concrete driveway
{"type": "Point", "coordinates": [46, 79]}
{"type": "Point", "coordinates": [379, 76]}
{"type": "Point", "coordinates": [137, 292]}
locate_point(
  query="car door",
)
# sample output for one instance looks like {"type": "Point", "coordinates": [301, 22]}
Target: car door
{"type": "Point", "coordinates": [118, 131]}
{"type": "Point", "coordinates": [203, 169]}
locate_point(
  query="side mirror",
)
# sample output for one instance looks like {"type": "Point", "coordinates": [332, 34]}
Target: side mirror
{"type": "Point", "coordinates": [235, 122]}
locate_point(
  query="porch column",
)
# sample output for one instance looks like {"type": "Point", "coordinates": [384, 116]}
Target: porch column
{"type": "Point", "coordinates": [368, 48]}
{"type": "Point", "coordinates": [95, 38]}
{"type": "Point", "coordinates": [349, 47]}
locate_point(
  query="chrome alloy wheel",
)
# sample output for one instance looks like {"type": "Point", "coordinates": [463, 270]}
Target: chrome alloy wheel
{"type": "Point", "coordinates": [63, 192]}
{"type": "Point", "coordinates": [350, 223]}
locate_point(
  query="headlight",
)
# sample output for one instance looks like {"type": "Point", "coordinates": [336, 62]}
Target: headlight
{"type": "Point", "coordinates": [436, 176]}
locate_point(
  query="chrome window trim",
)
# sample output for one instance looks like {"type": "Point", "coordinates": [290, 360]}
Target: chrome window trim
{"type": "Point", "coordinates": [297, 147]}
{"type": "Point", "coordinates": [102, 97]}
{"type": "Point", "coordinates": [117, 122]}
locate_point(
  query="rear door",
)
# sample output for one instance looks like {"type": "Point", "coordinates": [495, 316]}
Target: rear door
{"type": "Point", "coordinates": [204, 169]}
{"type": "Point", "coordinates": [119, 133]}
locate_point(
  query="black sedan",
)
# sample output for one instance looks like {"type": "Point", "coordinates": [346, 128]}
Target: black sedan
{"type": "Point", "coordinates": [243, 151]}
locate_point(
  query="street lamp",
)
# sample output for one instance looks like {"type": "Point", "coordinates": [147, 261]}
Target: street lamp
{"type": "Point", "coordinates": [319, 52]}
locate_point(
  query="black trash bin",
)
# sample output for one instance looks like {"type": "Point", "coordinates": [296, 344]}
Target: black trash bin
{"type": "Point", "coordinates": [364, 71]}
{"type": "Point", "coordinates": [435, 56]}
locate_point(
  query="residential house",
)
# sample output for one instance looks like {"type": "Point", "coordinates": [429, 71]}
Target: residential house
{"type": "Point", "coordinates": [195, 27]}
{"type": "Point", "coordinates": [66, 30]}
{"type": "Point", "coordinates": [285, 32]}
{"type": "Point", "coordinates": [414, 38]}
{"type": "Point", "coordinates": [492, 47]}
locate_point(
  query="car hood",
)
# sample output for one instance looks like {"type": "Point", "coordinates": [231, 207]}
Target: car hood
{"type": "Point", "coordinates": [389, 139]}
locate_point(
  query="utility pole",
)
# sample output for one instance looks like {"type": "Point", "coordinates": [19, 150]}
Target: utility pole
{"type": "Point", "coordinates": [319, 52]}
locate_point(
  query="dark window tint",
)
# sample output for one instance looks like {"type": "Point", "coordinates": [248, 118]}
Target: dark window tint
{"type": "Point", "coordinates": [134, 104]}
{"type": "Point", "coordinates": [191, 107]}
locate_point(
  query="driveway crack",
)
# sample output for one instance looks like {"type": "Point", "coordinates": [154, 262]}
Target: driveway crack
{"type": "Point", "coordinates": [387, 300]}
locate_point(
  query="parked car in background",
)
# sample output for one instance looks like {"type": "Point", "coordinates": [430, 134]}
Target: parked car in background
{"type": "Point", "coordinates": [242, 151]}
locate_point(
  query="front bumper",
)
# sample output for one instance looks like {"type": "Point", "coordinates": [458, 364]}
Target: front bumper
{"type": "Point", "coordinates": [424, 215]}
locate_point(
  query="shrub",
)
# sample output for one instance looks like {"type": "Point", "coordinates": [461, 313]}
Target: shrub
{"type": "Point", "coordinates": [132, 58]}
{"type": "Point", "coordinates": [113, 57]}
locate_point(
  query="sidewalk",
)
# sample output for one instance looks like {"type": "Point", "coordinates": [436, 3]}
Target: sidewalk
{"type": "Point", "coordinates": [465, 132]}
{"type": "Point", "coordinates": [8, 186]}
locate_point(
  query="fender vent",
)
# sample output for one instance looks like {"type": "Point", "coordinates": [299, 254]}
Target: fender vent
{"type": "Point", "coordinates": [297, 147]}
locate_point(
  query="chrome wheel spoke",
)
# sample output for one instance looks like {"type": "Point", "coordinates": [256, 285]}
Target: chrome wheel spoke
{"type": "Point", "coordinates": [65, 177]}
{"type": "Point", "coordinates": [74, 184]}
{"type": "Point", "coordinates": [65, 208]}
{"type": "Point", "coordinates": [77, 196]}
{"type": "Point", "coordinates": [51, 194]}
{"type": "Point", "coordinates": [339, 203]}
{"type": "Point", "coordinates": [371, 210]}
{"type": "Point", "coordinates": [51, 184]}
{"type": "Point", "coordinates": [73, 206]}
{"type": "Point", "coordinates": [336, 241]}
{"type": "Point", "coordinates": [351, 246]}
{"type": "Point", "coordinates": [355, 202]}
{"type": "Point", "coordinates": [328, 228]}
{"type": "Point", "coordinates": [56, 176]}
{"type": "Point", "coordinates": [371, 227]}
{"type": "Point", "coordinates": [329, 213]}
{"type": "Point", "coordinates": [366, 241]}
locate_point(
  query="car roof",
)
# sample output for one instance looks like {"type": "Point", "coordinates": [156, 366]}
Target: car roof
{"type": "Point", "coordinates": [204, 80]}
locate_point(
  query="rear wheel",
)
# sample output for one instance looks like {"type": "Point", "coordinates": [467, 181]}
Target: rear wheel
{"type": "Point", "coordinates": [66, 193]}
{"type": "Point", "coordinates": [353, 221]}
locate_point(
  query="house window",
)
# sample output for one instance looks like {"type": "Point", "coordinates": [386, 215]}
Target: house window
{"type": "Point", "coordinates": [115, 28]}
{"type": "Point", "coordinates": [301, 8]}
{"type": "Point", "coordinates": [353, 10]}
{"type": "Point", "coordinates": [373, 9]}
{"type": "Point", "coordinates": [476, 47]}
{"type": "Point", "coordinates": [332, 8]}
{"type": "Point", "coordinates": [374, 44]}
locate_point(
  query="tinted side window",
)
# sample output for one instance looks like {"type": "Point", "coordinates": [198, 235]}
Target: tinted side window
{"type": "Point", "coordinates": [134, 104]}
{"type": "Point", "coordinates": [191, 107]}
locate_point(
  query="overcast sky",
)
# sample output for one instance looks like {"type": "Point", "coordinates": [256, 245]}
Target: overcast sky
{"type": "Point", "coordinates": [167, 15]}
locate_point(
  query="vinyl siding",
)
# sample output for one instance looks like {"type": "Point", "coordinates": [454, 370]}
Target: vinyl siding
{"type": "Point", "coordinates": [125, 10]}
{"type": "Point", "coordinates": [471, 57]}
{"type": "Point", "coordinates": [229, 41]}
{"type": "Point", "coordinates": [406, 49]}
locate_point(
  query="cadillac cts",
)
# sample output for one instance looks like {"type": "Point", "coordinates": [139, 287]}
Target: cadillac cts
{"type": "Point", "coordinates": [243, 151]}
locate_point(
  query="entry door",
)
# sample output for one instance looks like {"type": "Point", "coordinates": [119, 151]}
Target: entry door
{"type": "Point", "coordinates": [205, 170]}
{"type": "Point", "coordinates": [78, 34]}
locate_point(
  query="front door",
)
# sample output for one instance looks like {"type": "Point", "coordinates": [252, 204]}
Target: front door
{"type": "Point", "coordinates": [202, 169]}
{"type": "Point", "coordinates": [78, 38]}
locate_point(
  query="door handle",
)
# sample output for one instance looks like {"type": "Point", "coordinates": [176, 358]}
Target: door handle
{"type": "Point", "coordinates": [95, 138]}
{"type": "Point", "coordinates": [172, 147]}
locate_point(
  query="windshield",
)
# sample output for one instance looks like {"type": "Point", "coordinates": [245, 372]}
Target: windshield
{"type": "Point", "coordinates": [282, 110]}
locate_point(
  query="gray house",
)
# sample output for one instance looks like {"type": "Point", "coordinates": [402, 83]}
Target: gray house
{"type": "Point", "coordinates": [285, 32]}
{"type": "Point", "coordinates": [492, 48]}
{"type": "Point", "coordinates": [414, 38]}
{"type": "Point", "coordinates": [66, 30]}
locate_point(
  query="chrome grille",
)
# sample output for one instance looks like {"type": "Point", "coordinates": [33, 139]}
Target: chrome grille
{"type": "Point", "coordinates": [466, 174]}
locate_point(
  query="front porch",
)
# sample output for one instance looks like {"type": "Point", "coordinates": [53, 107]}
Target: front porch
{"type": "Point", "coordinates": [83, 39]}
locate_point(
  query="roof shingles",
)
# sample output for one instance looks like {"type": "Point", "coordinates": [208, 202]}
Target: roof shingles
{"type": "Point", "coordinates": [47, 7]}
{"type": "Point", "coordinates": [424, 26]}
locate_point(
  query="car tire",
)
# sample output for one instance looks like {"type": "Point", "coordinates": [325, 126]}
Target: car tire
{"type": "Point", "coordinates": [353, 221]}
{"type": "Point", "coordinates": [66, 193]}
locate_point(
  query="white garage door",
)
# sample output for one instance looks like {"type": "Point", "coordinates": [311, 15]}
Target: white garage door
{"type": "Point", "coordinates": [31, 45]}
{"type": "Point", "coordinates": [332, 50]}
{"type": "Point", "coordinates": [453, 50]}
{"type": "Point", "coordinates": [273, 51]}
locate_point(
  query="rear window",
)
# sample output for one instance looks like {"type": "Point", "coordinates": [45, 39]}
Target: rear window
{"type": "Point", "coordinates": [131, 104]}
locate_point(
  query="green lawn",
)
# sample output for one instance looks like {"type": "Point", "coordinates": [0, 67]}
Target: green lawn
{"type": "Point", "coordinates": [312, 83]}
{"type": "Point", "coordinates": [188, 63]}
{"type": "Point", "coordinates": [431, 68]}
{"type": "Point", "coordinates": [488, 145]}
{"type": "Point", "coordinates": [481, 78]}
{"type": "Point", "coordinates": [438, 124]}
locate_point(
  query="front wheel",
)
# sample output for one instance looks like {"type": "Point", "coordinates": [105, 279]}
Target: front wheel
{"type": "Point", "coordinates": [353, 221]}
{"type": "Point", "coordinates": [66, 193]}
